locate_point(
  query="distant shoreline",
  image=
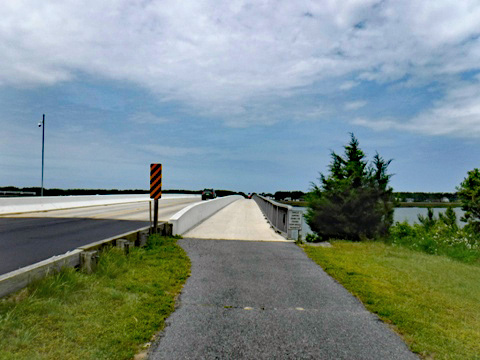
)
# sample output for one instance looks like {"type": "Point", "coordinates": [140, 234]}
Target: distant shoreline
{"type": "Point", "coordinates": [429, 204]}
{"type": "Point", "coordinates": [399, 205]}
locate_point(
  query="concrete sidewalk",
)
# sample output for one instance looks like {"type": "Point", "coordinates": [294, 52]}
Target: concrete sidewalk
{"type": "Point", "coordinates": [241, 220]}
{"type": "Point", "coordinates": [267, 300]}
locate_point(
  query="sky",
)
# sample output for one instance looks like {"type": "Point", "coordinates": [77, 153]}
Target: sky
{"type": "Point", "coordinates": [249, 96]}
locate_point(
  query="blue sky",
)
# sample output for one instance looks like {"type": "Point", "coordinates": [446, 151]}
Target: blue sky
{"type": "Point", "coordinates": [248, 96]}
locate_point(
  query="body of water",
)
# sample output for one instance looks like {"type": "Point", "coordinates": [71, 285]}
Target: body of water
{"type": "Point", "coordinates": [410, 214]}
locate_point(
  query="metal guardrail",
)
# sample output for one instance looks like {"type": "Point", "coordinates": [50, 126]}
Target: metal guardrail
{"type": "Point", "coordinates": [284, 218]}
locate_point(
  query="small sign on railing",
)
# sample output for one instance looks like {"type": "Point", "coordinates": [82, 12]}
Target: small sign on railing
{"type": "Point", "coordinates": [295, 222]}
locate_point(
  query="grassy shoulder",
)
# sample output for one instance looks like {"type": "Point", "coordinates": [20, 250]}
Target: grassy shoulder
{"type": "Point", "coordinates": [105, 315]}
{"type": "Point", "coordinates": [432, 301]}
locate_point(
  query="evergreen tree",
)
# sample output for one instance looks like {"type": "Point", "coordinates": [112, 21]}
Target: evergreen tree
{"type": "Point", "coordinates": [429, 221]}
{"type": "Point", "coordinates": [469, 194]}
{"type": "Point", "coordinates": [449, 218]}
{"type": "Point", "coordinates": [354, 201]}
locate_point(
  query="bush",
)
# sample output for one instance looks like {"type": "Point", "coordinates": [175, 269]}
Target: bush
{"type": "Point", "coordinates": [439, 236]}
{"type": "Point", "coordinates": [354, 201]}
{"type": "Point", "coordinates": [312, 238]}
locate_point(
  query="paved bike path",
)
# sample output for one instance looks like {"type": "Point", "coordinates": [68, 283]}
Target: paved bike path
{"type": "Point", "coordinates": [263, 300]}
{"type": "Point", "coordinates": [241, 220]}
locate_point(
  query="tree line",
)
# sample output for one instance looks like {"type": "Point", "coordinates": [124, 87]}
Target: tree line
{"type": "Point", "coordinates": [425, 196]}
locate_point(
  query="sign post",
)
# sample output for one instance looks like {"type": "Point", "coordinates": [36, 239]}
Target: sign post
{"type": "Point", "coordinates": [294, 224]}
{"type": "Point", "coordinates": [155, 190]}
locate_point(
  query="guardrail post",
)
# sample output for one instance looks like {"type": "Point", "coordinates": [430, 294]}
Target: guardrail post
{"type": "Point", "coordinates": [88, 261]}
{"type": "Point", "coordinates": [142, 238]}
{"type": "Point", "coordinates": [167, 229]}
{"type": "Point", "coordinates": [123, 244]}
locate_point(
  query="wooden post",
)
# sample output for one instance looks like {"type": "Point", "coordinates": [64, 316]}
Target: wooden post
{"type": "Point", "coordinates": [124, 245]}
{"type": "Point", "coordinates": [167, 229]}
{"type": "Point", "coordinates": [88, 261]}
{"type": "Point", "coordinates": [142, 238]}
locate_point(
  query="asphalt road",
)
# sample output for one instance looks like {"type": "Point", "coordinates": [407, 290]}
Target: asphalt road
{"type": "Point", "coordinates": [264, 300]}
{"type": "Point", "coordinates": [28, 238]}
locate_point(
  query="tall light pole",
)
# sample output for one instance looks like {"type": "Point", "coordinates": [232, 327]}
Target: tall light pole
{"type": "Point", "coordinates": [42, 125]}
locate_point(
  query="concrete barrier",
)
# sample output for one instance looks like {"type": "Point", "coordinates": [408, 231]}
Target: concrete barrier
{"type": "Point", "coordinates": [46, 203]}
{"type": "Point", "coordinates": [194, 214]}
{"type": "Point", "coordinates": [18, 279]}
{"type": "Point", "coordinates": [181, 222]}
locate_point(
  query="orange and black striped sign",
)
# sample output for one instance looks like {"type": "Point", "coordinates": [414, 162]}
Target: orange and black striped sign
{"type": "Point", "coordinates": [155, 181]}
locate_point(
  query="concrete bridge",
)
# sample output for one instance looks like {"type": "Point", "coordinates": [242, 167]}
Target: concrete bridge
{"type": "Point", "coordinates": [252, 294]}
{"type": "Point", "coordinates": [35, 229]}
{"type": "Point", "coordinates": [283, 218]}
{"type": "Point", "coordinates": [237, 218]}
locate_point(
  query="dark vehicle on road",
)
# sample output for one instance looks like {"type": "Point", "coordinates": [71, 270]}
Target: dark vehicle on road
{"type": "Point", "coordinates": [208, 194]}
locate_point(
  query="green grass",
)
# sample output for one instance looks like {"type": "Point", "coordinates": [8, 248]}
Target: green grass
{"type": "Point", "coordinates": [432, 301]}
{"type": "Point", "coordinates": [105, 315]}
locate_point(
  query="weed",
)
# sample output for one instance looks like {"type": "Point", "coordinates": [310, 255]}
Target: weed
{"type": "Point", "coordinates": [439, 236]}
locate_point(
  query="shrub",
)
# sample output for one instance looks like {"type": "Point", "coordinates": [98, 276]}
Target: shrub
{"type": "Point", "coordinates": [438, 236]}
{"type": "Point", "coordinates": [311, 238]}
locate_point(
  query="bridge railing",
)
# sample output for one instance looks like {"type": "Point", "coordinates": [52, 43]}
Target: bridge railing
{"type": "Point", "coordinates": [284, 218]}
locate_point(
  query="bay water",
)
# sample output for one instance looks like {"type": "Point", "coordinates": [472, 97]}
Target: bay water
{"type": "Point", "coordinates": [409, 214]}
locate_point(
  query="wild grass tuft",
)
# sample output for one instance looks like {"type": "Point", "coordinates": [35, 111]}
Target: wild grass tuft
{"type": "Point", "coordinates": [106, 315]}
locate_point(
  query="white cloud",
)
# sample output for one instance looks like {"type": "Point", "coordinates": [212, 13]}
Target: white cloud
{"type": "Point", "coordinates": [347, 85]}
{"type": "Point", "coordinates": [173, 151]}
{"type": "Point", "coordinates": [218, 56]}
{"type": "Point", "coordinates": [147, 118]}
{"type": "Point", "coordinates": [355, 105]}
{"type": "Point", "coordinates": [378, 124]}
{"type": "Point", "coordinates": [457, 114]}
